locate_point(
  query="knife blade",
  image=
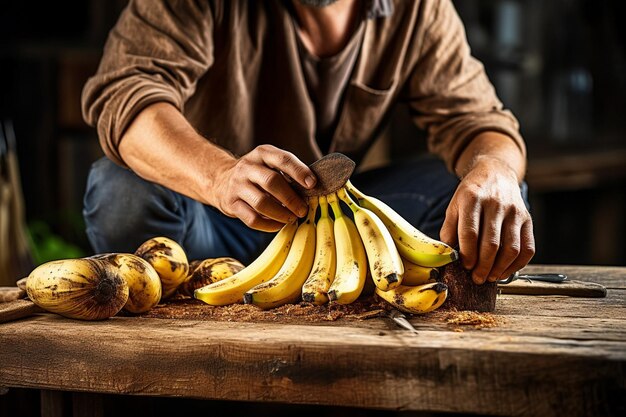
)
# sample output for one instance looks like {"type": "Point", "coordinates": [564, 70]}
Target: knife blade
{"type": "Point", "coordinates": [401, 321]}
{"type": "Point", "coordinates": [554, 278]}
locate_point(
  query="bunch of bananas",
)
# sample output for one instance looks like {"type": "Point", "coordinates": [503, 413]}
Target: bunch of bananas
{"type": "Point", "coordinates": [331, 258]}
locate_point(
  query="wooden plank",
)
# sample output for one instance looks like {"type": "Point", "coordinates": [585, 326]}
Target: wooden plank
{"type": "Point", "coordinates": [612, 306]}
{"type": "Point", "coordinates": [18, 309]}
{"type": "Point", "coordinates": [568, 328]}
{"type": "Point", "coordinates": [571, 288]}
{"type": "Point", "coordinates": [546, 349]}
{"type": "Point", "coordinates": [336, 365]}
{"type": "Point", "coordinates": [575, 328]}
{"type": "Point", "coordinates": [609, 276]}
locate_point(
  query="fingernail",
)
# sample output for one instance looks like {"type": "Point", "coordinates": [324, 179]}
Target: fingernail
{"type": "Point", "coordinates": [309, 181]}
{"type": "Point", "coordinates": [302, 211]}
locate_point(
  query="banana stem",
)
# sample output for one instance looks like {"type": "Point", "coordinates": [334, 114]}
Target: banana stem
{"type": "Point", "coordinates": [323, 202]}
{"type": "Point", "coordinates": [334, 204]}
{"type": "Point", "coordinates": [310, 218]}
{"type": "Point", "coordinates": [343, 195]}
{"type": "Point", "coordinates": [359, 195]}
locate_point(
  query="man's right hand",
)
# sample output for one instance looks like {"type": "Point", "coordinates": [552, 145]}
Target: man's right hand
{"type": "Point", "coordinates": [255, 188]}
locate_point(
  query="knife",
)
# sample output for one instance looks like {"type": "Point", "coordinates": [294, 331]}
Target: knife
{"type": "Point", "coordinates": [555, 278]}
{"type": "Point", "coordinates": [401, 321]}
{"type": "Point", "coordinates": [549, 284]}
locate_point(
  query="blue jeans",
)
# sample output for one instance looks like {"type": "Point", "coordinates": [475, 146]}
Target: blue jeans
{"type": "Point", "coordinates": [122, 210]}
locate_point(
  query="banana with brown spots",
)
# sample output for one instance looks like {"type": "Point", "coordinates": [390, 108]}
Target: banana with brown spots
{"type": "Point", "coordinates": [169, 260]}
{"type": "Point", "coordinates": [87, 289]}
{"type": "Point", "coordinates": [144, 284]}
{"type": "Point", "coordinates": [322, 274]}
{"type": "Point", "coordinates": [382, 255]}
{"type": "Point", "coordinates": [207, 272]}
{"type": "Point", "coordinates": [416, 300]}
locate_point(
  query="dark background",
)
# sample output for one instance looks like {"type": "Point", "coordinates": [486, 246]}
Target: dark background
{"type": "Point", "coordinates": [560, 65]}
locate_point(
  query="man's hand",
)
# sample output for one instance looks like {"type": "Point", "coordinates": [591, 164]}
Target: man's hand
{"type": "Point", "coordinates": [487, 216]}
{"type": "Point", "coordinates": [488, 219]}
{"type": "Point", "coordinates": [255, 189]}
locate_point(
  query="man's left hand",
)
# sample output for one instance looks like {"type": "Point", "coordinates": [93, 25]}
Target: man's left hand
{"type": "Point", "coordinates": [487, 217]}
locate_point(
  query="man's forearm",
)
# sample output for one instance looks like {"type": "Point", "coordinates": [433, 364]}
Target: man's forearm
{"type": "Point", "coordinates": [161, 146]}
{"type": "Point", "coordinates": [495, 148]}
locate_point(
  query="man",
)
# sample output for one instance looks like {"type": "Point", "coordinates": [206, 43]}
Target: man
{"type": "Point", "coordinates": [214, 106]}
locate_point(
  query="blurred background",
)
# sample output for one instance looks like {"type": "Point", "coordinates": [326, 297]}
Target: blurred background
{"type": "Point", "coordinates": [559, 65]}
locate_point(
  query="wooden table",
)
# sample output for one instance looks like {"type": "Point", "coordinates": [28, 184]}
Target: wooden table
{"type": "Point", "coordinates": [552, 356]}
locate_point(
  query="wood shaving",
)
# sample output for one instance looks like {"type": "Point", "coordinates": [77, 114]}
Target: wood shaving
{"type": "Point", "coordinates": [368, 307]}
{"type": "Point", "coordinates": [471, 318]}
{"type": "Point", "coordinates": [191, 309]}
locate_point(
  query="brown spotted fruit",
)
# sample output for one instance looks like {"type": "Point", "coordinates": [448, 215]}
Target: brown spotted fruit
{"type": "Point", "coordinates": [207, 272]}
{"type": "Point", "coordinates": [87, 289]}
{"type": "Point", "coordinates": [169, 260]}
{"type": "Point", "coordinates": [144, 284]}
{"type": "Point", "coordinates": [419, 299]}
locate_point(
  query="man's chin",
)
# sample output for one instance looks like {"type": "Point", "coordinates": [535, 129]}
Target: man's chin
{"type": "Point", "coordinates": [317, 3]}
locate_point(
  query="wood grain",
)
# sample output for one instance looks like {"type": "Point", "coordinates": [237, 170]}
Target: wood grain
{"type": "Point", "coordinates": [571, 288]}
{"type": "Point", "coordinates": [18, 309]}
{"type": "Point", "coordinates": [550, 356]}
{"type": "Point", "coordinates": [310, 364]}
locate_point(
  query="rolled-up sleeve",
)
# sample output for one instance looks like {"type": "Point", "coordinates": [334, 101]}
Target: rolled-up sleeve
{"type": "Point", "coordinates": [449, 93]}
{"type": "Point", "coordinates": [156, 52]}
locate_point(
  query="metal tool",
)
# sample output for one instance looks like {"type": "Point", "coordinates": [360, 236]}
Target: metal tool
{"type": "Point", "coordinates": [401, 321]}
{"type": "Point", "coordinates": [555, 278]}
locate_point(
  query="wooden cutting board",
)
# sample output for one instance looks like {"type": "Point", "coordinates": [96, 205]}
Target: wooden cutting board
{"type": "Point", "coordinates": [18, 309]}
{"type": "Point", "coordinates": [571, 288]}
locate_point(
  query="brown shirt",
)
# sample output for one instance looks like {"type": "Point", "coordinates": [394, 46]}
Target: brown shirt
{"type": "Point", "coordinates": [326, 79]}
{"type": "Point", "coordinates": [233, 68]}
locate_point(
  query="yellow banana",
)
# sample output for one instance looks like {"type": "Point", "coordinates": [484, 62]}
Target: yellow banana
{"type": "Point", "coordinates": [286, 285]}
{"type": "Point", "coordinates": [144, 284]}
{"type": "Point", "coordinates": [416, 300]}
{"type": "Point", "coordinates": [323, 272]}
{"type": "Point", "coordinates": [87, 289]}
{"type": "Point", "coordinates": [417, 275]}
{"type": "Point", "coordinates": [352, 269]}
{"type": "Point", "coordinates": [412, 243]}
{"type": "Point", "coordinates": [383, 257]}
{"type": "Point", "coordinates": [168, 259]}
{"type": "Point", "coordinates": [209, 271]}
{"type": "Point", "coordinates": [263, 268]}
